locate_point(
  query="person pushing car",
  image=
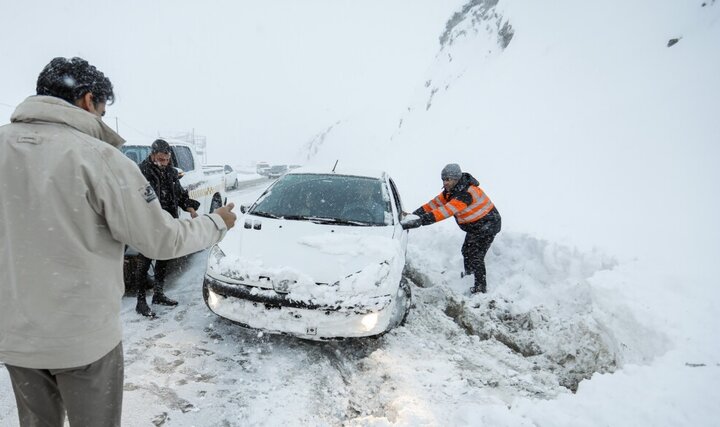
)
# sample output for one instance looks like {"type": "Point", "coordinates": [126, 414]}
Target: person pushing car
{"type": "Point", "coordinates": [474, 212]}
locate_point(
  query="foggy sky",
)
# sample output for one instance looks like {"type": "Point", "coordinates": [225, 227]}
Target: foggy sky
{"type": "Point", "coordinates": [224, 70]}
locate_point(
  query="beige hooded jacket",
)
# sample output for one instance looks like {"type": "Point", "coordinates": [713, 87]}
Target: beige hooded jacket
{"type": "Point", "coordinates": [69, 202]}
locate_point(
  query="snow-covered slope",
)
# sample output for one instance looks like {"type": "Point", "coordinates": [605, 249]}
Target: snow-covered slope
{"type": "Point", "coordinates": [587, 128]}
{"type": "Point", "coordinates": [591, 127]}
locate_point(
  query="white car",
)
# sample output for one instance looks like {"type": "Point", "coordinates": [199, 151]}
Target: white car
{"type": "Point", "coordinates": [229, 175]}
{"type": "Point", "coordinates": [319, 255]}
{"type": "Point", "coordinates": [231, 179]}
{"type": "Point", "coordinates": [262, 168]}
{"type": "Point", "coordinates": [276, 171]}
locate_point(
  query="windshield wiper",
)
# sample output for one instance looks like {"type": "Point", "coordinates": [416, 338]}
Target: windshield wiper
{"type": "Point", "coordinates": [265, 214]}
{"type": "Point", "coordinates": [315, 219]}
{"type": "Point", "coordinates": [337, 221]}
{"type": "Point", "coordinates": [295, 217]}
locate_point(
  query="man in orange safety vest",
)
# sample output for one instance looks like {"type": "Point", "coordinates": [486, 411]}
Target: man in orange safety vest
{"type": "Point", "coordinates": [474, 212]}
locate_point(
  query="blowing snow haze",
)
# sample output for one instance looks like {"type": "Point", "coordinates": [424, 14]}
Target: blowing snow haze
{"type": "Point", "coordinates": [592, 126]}
{"type": "Point", "coordinates": [257, 79]}
{"type": "Point", "coordinates": [589, 124]}
{"type": "Point", "coordinates": [584, 122]}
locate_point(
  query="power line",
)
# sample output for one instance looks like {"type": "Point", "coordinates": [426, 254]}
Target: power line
{"type": "Point", "coordinates": [124, 123]}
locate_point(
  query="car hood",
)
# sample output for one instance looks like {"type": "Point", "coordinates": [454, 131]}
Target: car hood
{"type": "Point", "coordinates": [306, 252]}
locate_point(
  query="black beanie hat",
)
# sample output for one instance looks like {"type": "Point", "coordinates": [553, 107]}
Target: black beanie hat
{"type": "Point", "coordinates": [160, 146]}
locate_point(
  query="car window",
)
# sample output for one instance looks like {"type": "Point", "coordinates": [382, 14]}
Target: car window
{"type": "Point", "coordinates": [183, 158]}
{"type": "Point", "coordinates": [340, 197]}
{"type": "Point", "coordinates": [228, 169]}
{"type": "Point", "coordinates": [136, 153]}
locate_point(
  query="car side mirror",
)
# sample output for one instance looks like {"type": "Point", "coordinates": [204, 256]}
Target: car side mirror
{"type": "Point", "coordinates": [180, 172]}
{"type": "Point", "coordinates": [409, 222]}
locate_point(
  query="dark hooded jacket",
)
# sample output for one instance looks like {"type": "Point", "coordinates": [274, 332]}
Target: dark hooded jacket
{"type": "Point", "coordinates": [166, 183]}
{"type": "Point", "coordinates": [489, 223]}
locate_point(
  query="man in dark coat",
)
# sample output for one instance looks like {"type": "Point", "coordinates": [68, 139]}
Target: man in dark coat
{"type": "Point", "coordinates": [165, 180]}
{"type": "Point", "coordinates": [475, 214]}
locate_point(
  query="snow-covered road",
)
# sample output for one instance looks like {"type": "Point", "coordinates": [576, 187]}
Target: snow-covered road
{"type": "Point", "coordinates": [459, 360]}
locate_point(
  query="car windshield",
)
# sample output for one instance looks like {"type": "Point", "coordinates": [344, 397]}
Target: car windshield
{"type": "Point", "coordinates": [137, 153]}
{"type": "Point", "coordinates": [336, 199]}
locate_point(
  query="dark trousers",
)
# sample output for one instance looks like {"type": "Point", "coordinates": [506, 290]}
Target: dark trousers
{"type": "Point", "coordinates": [477, 242]}
{"type": "Point", "coordinates": [91, 394]}
{"type": "Point", "coordinates": [474, 249]}
{"type": "Point", "coordinates": [161, 267]}
{"type": "Point", "coordinates": [161, 270]}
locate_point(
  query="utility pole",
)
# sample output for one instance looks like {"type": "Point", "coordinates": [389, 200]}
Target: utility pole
{"type": "Point", "coordinates": [116, 125]}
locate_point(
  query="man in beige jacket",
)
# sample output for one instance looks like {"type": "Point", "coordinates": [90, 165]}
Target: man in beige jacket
{"type": "Point", "coordinates": [71, 201]}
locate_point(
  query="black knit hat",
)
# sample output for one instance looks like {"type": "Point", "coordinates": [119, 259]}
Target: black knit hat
{"type": "Point", "coordinates": [160, 146]}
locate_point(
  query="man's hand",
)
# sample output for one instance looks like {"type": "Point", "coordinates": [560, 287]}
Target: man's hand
{"type": "Point", "coordinates": [192, 212]}
{"type": "Point", "coordinates": [227, 215]}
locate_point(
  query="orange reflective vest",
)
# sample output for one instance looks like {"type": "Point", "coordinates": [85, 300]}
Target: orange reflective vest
{"type": "Point", "coordinates": [442, 208]}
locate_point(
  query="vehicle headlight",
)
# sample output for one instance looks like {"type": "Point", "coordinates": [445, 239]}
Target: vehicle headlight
{"type": "Point", "coordinates": [213, 299]}
{"type": "Point", "coordinates": [215, 254]}
{"type": "Point", "coordinates": [369, 321]}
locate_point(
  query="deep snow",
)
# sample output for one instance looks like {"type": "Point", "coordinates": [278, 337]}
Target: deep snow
{"type": "Point", "coordinates": [553, 316]}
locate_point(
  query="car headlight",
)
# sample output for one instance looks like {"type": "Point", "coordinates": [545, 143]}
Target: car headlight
{"type": "Point", "coordinates": [215, 254]}
{"type": "Point", "coordinates": [214, 262]}
{"type": "Point", "coordinates": [369, 321]}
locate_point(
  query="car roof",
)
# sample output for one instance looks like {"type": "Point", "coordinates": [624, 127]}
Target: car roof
{"type": "Point", "coordinates": [146, 143]}
{"type": "Point", "coordinates": [361, 172]}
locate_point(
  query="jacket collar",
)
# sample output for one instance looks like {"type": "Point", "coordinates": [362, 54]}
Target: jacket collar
{"type": "Point", "coordinates": [50, 109]}
{"type": "Point", "coordinates": [465, 181]}
{"type": "Point", "coordinates": [148, 165]}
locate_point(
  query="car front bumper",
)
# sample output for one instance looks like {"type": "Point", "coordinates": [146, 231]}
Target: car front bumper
{"type": "Point", "coordinates": [279, 314]}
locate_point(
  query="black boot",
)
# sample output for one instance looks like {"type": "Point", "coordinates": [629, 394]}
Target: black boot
{"type": "Point", "coordinates": [142, 305]}
{"type": "Point", "coordinates": [480, 285]}
{"type": "Point", "coordinates": [160, 298]}
{"type": "Point", "coordinates": [478, 289]}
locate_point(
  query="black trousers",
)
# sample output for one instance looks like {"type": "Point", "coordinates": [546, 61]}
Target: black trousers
{"type": "Point", "coordinates": [477, 242]}
{"type": "Point", "coordinates": [161, 271]}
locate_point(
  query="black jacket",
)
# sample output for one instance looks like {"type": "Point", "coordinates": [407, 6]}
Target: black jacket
{"type": "Point", "coordinates": [166, 183]}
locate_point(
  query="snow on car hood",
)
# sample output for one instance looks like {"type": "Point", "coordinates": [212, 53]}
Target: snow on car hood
{"type": "Point", "coordinates": [321, 262]}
